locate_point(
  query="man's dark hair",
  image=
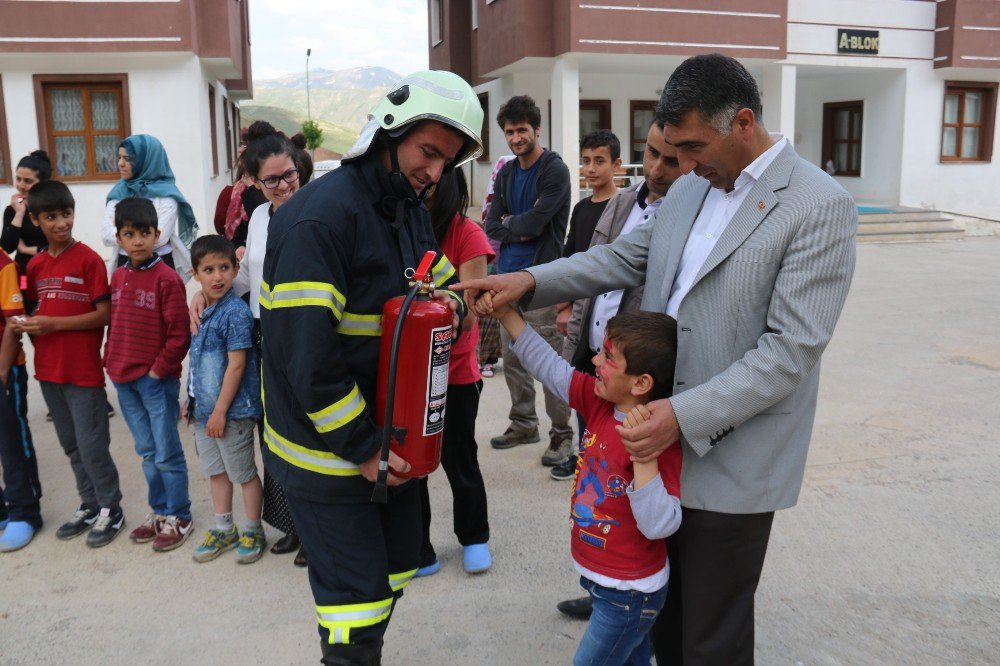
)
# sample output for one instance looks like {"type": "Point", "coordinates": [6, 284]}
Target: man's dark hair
{"type": "Point", "coordinates": [714, 85]}
{"type": "Point", "coordinates": [136, 212]}
{"type": "Point", "coordinates": [603, 137]}
{"type": "Point", "coordinates": [206, 245]}
{"type": "Point", "coordinates": [49, 195]}
{"type": "Point", "coordinates": [520, 109]}
{"type": "Point", "coordinates": [648, 341]}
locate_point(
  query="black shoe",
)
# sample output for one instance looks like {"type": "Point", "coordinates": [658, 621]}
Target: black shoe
{"type": "Point", "coordinates": [78, 524]}
{"type": "Point", "coordinates": [107, 526]}
{"type": "Point", "coordinates": [301, 560]}
{"type": "Point", "coordinates": [578, 609]}
{"type": "Point", "coordinates": [565, 471]}
{"type": "Point", "coordinates": [285, 544]}
{"type": "Point", "coordinates": [48, 416]}
{"type": "Point", "coordinates": [111, 410]}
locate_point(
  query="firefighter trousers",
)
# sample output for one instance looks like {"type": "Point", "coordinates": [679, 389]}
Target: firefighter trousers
{"type": "Point", "coordinates": [361, 557]}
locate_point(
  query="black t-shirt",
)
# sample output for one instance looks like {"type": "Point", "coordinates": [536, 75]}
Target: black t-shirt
{"type": "Point", "coordinates": [582, 223]}
{"type": "Point", "coordinates": [29, 233]}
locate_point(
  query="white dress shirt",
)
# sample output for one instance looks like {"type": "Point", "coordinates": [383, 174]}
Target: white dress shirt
{"type": "Point", "coordinates": [716, 214]}
{"type": "Point", "coordinates": [606, 305]}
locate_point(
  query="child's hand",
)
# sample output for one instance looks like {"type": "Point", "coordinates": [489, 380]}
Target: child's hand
{"type": "Point", "coordinates": [184, 410]}
{"type": "Point", "coordinates": [638, 414]}
{"type": "Point", "coordinates": [484, 305]}
{"type": "Point", "coordinates": [216, 426]}
{"type": "Point", "coordinates": [40, 325]}
{"type": "Point", "coordinates": [153, 375]}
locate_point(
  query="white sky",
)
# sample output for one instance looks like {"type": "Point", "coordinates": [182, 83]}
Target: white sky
{"type": "Point", "coordinates": [341, 34]}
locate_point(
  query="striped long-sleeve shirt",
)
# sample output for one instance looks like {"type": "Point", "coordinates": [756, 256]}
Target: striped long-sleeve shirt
{"type": "Point", "coordinates": [149, 322]}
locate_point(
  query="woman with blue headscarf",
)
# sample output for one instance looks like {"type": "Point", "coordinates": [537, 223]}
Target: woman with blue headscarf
{"type": "Point", "coordinates": [145, 171]}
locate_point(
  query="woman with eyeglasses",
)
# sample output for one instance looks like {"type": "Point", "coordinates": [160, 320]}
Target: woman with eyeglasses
{"type": "Point", "coordinates": [275, 165]}
{"type": "Point", "coordinates": [145, 172]}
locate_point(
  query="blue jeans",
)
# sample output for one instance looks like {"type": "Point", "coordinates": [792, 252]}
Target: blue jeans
{"type": "Point", "coordinates": [150, 408]}
{"type": "Point", "coordinates": [618, 631]}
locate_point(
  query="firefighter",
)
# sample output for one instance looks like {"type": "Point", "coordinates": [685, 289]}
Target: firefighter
{"type": "Point", "coordinates": [336, 252]}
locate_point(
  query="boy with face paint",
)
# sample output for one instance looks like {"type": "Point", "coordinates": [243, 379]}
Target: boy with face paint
{"type": "Point", "coordinates": [621, 510]}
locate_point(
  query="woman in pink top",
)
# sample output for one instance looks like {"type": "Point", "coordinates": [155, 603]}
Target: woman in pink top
{"type": "Point", "coordinates": [465, 244]}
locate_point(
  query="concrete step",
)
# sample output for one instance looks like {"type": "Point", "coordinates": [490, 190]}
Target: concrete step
{"type": "Point", "coordinates": [907, 226]}
{"type": "Point", "coordinates": [926, 226]}
{"type": "Point", "coordinates": [902, 216]}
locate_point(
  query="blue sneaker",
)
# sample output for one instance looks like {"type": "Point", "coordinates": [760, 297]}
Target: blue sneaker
{"type": "Point", "coordinates": [477, 558]}
{"type": "Point", "coordinates": [429, 570]}
{"type": "Point", "coordinates": [16, 536]}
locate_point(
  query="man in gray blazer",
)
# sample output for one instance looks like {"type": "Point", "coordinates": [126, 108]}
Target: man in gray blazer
{"type": "Point", "coordinates": [753, 253]}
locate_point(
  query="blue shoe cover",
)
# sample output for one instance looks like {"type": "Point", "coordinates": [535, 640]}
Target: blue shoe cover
{"type": "Point", "coordinates": [477, 558]}
{"type": "Point", "coordinates": [429, 570]}
{"type": "Point", "coordinates": [17, 535]}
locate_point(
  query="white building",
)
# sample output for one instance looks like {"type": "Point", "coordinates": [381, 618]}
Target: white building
{"type": "Point", "coordinates": [78, 77]}
{"type": "Point", "coordinates": [901, 94]}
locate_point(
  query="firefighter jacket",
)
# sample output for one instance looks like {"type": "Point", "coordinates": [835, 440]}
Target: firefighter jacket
{"type": "Point", "coordinates": [334, 257]}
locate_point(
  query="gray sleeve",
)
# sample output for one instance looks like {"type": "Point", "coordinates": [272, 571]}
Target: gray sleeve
{"type": "Point", "coordinates": [544, 364]}
{"type": "Point", "coordinates": [657, 513]}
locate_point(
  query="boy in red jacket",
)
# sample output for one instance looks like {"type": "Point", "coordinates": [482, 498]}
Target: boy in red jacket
{"type": "Point", "coordinates": [147, 343]}
{"type": "Point", "coordinates": [622, 511]}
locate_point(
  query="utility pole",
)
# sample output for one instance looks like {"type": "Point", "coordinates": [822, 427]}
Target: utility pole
{"type": "Point", "coordinates": [308, 103]}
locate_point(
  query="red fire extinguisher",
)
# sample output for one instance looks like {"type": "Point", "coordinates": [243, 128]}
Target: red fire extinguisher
{"type": "Point", "coordinates": [415, 351]}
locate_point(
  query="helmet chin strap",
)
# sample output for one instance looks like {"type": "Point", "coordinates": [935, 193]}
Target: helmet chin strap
{"type": "Point", "coordinates": [401, 194]}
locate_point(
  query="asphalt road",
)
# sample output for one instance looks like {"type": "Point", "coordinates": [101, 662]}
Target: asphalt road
{"type": "Point", "coordinates": [891, 556]}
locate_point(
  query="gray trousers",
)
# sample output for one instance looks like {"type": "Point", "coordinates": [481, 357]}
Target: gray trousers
{"type": "Point", "coordinates": [522, 385]}
{"type": "Point", "coordinates": [80, 417]}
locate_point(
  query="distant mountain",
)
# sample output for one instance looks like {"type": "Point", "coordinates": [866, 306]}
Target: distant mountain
{"type": "Point", "coordinates": [341, 79]}
{"type": "Point", "coordinates": [340, 100]}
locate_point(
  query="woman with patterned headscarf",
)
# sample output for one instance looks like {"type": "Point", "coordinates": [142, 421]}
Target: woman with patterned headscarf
{"type": "Point", "coordinates": [145, 171]}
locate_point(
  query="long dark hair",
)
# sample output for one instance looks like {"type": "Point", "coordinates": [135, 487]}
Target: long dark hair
{"type": "Point", "coordinates": [39, 162]}
{"type": "Point", "coordinates": [451, 196]}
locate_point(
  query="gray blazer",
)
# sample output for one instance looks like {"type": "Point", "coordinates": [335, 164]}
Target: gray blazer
{"type": "Point", "coordinates": [751, 330]}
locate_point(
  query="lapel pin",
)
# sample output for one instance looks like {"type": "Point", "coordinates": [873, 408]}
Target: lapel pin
{"type": "Point", "coordinates": [760, 205]}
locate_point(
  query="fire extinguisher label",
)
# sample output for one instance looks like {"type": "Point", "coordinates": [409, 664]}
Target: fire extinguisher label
{"type": "Point", "coordinates": [437, 379]}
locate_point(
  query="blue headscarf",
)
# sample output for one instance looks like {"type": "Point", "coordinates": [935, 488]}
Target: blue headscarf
{"type": "Point", "coordinates": [152, 177]}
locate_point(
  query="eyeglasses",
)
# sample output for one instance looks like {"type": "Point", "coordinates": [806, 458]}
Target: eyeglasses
{"type": "Point", "coordinates": [271, 182]}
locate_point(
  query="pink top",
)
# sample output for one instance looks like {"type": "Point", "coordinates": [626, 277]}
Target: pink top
{"type": "Point", "coordinates": [465, 240]}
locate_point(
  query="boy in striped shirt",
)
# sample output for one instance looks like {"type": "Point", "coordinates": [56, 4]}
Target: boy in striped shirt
{"type": "Point", "coordinates": [147, 342]}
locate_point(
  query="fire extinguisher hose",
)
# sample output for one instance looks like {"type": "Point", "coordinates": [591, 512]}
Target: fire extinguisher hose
{"type": "Point", "coordinates": [380, 494]}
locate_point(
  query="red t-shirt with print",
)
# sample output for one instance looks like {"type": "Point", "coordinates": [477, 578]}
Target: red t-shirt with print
{"type": "Point", "coordinates": [64, 286]}
{"type": "Point", "coordinates": [465, 240]}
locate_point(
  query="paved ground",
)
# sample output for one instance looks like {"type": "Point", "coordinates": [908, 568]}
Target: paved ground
{"type": "Point", "coordinates": [891, 556]}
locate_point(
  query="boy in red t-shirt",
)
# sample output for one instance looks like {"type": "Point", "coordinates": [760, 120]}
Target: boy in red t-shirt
{"type": "Point", "coordinates": [622, 511]}
{"type": "Point", "coordinates": [147, 342]}
{"type": "Point", "coordinates": [20, 512]}
{"type": "Point", "coordinates": [69, 281]}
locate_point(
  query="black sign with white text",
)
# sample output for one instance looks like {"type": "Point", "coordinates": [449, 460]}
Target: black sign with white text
{"type": "Point", "coordinates": [863, 42]}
